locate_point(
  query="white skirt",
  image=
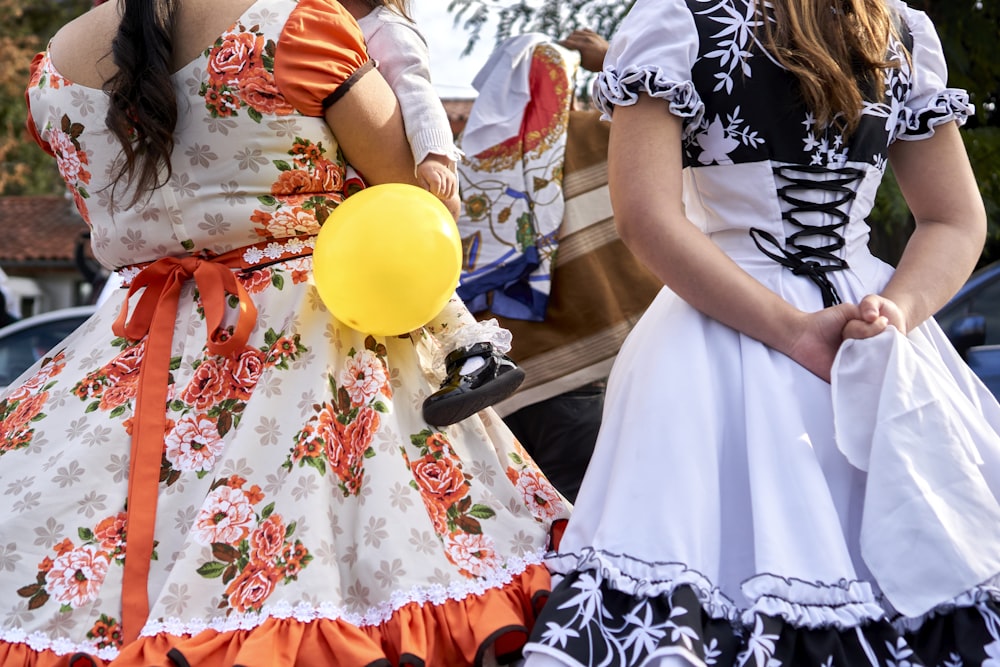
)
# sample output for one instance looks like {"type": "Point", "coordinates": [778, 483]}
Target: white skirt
{"type": "Point", "coordinates": [720, 517]}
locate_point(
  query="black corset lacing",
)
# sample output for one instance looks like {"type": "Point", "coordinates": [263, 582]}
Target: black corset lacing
{"type": "Point", "coordinates": [813, 262]}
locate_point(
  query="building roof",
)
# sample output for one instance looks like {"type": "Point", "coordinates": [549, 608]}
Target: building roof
{"type": "Point", "coordinates": [39, 231]}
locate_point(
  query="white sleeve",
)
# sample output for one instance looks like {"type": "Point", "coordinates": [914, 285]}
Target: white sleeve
{"type": "Point", "coordinates": [403, 60]}
{"type": "Point", "coordinates": [652, 52]}
{"type": "Point", "coordinates": [930, 101]}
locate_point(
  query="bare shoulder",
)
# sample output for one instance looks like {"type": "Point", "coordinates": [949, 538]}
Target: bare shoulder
{"type": "Point", "coordinates": [79, 48]}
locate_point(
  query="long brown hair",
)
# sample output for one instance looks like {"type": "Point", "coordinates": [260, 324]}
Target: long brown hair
{"type": "Point", "coordinates": [836, 49]}
{"type": "Point", "coordinates": [143, 107]}
{"type": "Point", "coordinates": [401, 7]}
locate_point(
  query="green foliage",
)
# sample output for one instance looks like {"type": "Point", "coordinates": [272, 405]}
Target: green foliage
{"type": "Point", "coordinates": [25, 28]}
{"type": "Point", "coordinates": [556, 18]}
{"type": "Point", "coordinates": [970, 32]}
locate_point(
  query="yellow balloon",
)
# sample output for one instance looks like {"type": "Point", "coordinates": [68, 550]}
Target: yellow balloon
{"type": "Point", "coordinates": [387, 259]}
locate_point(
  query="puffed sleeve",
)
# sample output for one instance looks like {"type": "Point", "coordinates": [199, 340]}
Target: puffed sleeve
{"type": "Point", "coordinates": [320, 54]}
{"type": "Point", "coordinates": [930, 101]}
{"type": "Point", "coordinates": [37, 67]}
{"type": "Point", "coordinates": [652, 52]}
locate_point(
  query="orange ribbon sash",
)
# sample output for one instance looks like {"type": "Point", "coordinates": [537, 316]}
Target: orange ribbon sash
{"type": "Point", "coordinates": [154, 318]}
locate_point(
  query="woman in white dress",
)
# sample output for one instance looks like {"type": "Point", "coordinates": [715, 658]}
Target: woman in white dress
{"type": "Point", "coordinates": [794, 467]}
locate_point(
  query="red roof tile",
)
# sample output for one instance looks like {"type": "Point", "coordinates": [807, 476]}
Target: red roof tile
{"type": "Point", "coordinates": [38, 229]}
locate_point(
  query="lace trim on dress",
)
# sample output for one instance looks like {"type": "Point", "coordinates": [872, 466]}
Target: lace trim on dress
{"type": "Point", "coordinates": [39, 641]}
{"type": "Point", "coordinates": [614, 88]}
{"type": "Point", "coordinates": [302, 612]}
{"type": "Point", "coordinates": [435, 594]}
{"type": "Point", "coordinates": [253, 256]}
{"type": "Point", "coordinates": [949, 104]}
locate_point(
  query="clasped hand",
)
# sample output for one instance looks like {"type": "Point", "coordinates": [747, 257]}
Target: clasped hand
{"type": "Point", "coordinates": [823, 331]}
{"type": "Point", "coordinates": [875, 313]}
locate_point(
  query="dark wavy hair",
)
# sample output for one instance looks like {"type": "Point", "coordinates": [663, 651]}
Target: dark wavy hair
{"type": "Point", "coordinates": [143, 109]}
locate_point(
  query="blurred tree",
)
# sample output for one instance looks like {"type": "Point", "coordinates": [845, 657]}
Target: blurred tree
{"type": "Point", "coordinates": [969, 31]}
{"type": "Point", "coordinates": [25, 28]}
{"type": "Point", "coordinates": [556, 18]}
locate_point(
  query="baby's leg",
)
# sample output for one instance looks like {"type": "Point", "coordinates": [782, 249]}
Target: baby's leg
{"type": "Point", "coordinates": [456, 327]}
{"type": "Point", "coordinates": [478, 372]}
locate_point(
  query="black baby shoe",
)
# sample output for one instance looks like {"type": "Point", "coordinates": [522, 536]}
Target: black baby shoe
{"type": "Point", "coordinates": [462, 396]}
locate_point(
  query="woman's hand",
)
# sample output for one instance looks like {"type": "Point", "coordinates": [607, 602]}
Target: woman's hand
{"type": "Point", "coordinates": [875, 314]}
{"type": "Point", "coordinates": [820, 336]}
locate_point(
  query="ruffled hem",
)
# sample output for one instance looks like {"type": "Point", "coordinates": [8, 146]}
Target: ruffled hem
{"type": "Point", "coordinates": [455, 632]}
{"type": "Point", "coordinates": [588, 620]}
{"type": "Point", "coordinates": [978, 597]}
{"type": "Point", "coordinates": [645, 580]}
{"type": "Point", "coordinates": [949, 104]}
{"type": "Point", "coordinates": [613, 88]}
{"type": "Point", "coordinates": [844, 605]}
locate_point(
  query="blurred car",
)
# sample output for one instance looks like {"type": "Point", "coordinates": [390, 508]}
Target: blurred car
{"type": "Point", "coordinates": [25, 341]}
{"type": "Point", "coordinates": [971, 320]}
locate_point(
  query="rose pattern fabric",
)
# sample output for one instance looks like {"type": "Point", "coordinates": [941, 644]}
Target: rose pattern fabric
{"type": "Point", "coordinates": [252, 551]}
{"type": "Point", "coordinates": [241, 76]}
{"type": "Point", "coordinates": [340, 433]}
{"type": "Point", "coordinates": [22, 408]}
{"type": "Point", "coordinates": [283, 492]}
{"type": "Point", "coordinates": [72, 575]}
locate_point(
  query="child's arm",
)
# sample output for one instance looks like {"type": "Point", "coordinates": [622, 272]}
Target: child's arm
{"type": "Point", "coordinates": [403, 60]}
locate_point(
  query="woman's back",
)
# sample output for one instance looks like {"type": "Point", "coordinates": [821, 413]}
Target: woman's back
{"type": "Point", "coordinates": [247, 166]}
{"type": "Point", "coordinates": [728, 515]}
{"type": "Point", "coordinates": [261, 456]}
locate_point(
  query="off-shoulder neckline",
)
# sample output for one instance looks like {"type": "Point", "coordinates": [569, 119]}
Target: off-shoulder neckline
{"type": "Point", "coordinates": [193, 61]}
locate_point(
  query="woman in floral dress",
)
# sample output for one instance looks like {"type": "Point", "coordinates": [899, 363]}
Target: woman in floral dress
{"type": "Point", "coordinates": [213, 470]}
{"type": "Point", "coordinates": [794, 468]}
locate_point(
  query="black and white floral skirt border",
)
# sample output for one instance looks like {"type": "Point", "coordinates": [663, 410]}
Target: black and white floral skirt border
{"type": "Point", "coordinates": [611, 610]}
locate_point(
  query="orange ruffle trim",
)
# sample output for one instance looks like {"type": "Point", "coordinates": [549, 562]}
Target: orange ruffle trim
{"type": "Point", "coordinates": [453, 633]}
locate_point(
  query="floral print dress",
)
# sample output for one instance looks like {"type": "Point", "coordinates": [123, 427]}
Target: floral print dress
{"type": "Point", "coordinates": [726, 515]}
{"type": "Point", "coordinates": [213, 470]}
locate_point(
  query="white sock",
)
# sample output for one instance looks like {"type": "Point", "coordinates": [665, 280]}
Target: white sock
{"type": "Point", "coordinates": [472, 364]}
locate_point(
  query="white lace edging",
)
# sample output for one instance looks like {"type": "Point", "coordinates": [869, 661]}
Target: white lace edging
{"type": "Point", "coordinates": [255, 254]}
{"type": "Point", "coordinates": [648, 580]}
{"type": "Point", "coordinates": [302, 612]}
{"type": "Point", "coordinates": [276, 250]}
{"type": "Point", "coordinates": [486, 331]}
{"type": "Point", "coordinates": [328, 611]}
{"type": "Point", "coordinates": [39, 641]}
{"type": "Point", "coordinates": [949, 104]}
{"type": "Point", "coordinates": [613, 88]}
{"type": "Point", "coordinates": [844, 605]}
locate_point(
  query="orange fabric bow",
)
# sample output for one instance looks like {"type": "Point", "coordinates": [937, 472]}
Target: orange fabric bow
{"type": "Point", "coordinates": [154, 317]}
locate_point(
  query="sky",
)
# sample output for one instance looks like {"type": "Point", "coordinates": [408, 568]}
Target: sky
{"type": "Point", "coordinates": [451, 74]}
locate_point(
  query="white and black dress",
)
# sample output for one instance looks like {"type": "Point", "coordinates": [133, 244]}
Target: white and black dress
{"type": "Point", "coordinates": [736, 510]}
